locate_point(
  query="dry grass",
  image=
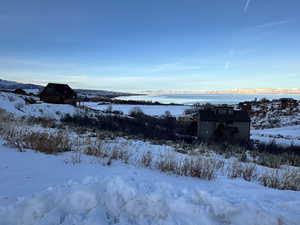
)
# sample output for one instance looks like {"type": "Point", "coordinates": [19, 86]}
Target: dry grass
{"type": "Point", "coordinates": [167, 163]}
{"type": "Point", "coordinates": [146, 160]}
{"type": "Point", "coordinates": [239, 170]}
{"type": "Point", "coordinates": [97, 149]}
{"type": "Point", "coordinates": [288, 179]}
{"type": "Point", "coordinates": [43, 142]}
{"type": "Point", "coordinates": [100, 149]}
{"type": "Point", "coordinates": [195, 167]}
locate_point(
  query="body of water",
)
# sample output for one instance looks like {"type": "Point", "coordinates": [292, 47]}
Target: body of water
{"type": "Point", "coordinates": [206, 98]}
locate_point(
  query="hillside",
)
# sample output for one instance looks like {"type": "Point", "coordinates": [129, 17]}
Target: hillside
{"type": "Point", "coordinates": [54, 172]}
{"type": "Point", "coordinates": [12, 85]}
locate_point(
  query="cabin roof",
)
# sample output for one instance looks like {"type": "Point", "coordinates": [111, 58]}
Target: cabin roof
{"type": "Point", "coordinates": [236, 116]}
{"type": "Point", "coordinates": [58, 89]}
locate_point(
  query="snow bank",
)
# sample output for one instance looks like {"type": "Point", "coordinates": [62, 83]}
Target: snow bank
{"type": "Point", "coordinates": [53, 192]}
{"type": "Point", "coordinates": [153, 110]}
{"type": "Point", "coordinates": [118, 201]}
{"type": "Point", "coordinates": [288, 131]}
{"type": "Point", "coordinates": [284, 135]}
{"type": "Point", "coordinates": [16, 104]}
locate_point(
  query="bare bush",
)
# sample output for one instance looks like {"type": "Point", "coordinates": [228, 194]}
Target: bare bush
{"type": "Point", "coordinates": [167, 163]}
{"type": "Point", "coordinates": [195, 167]}
{"type": "Point", "coordinates": [103, 150]}
{"type": "Point", "coordinates": [270, 179]}
{"type": "Point", "coordinates": [288, 179]}
{"type": "Point", "coordinates": [146, 160]}
{"type": "Point", "coordinates": [119, 154]}
{"type": "Point", "coordinates": [97, 149]}
{"type": "Point", "coordinates": [246, 171]}
{"type": "Point", "coordinates": [43, 142]}
{"type": "Point", "coordinates": [6, 121]}
{"type": "Point", "coordinates": [203, 168]}
{"type": "Point", "coordinates": [269, 160]}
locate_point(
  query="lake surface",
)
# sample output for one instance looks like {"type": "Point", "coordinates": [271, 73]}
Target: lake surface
{"type": "Point", "coordinates": [206, 98]}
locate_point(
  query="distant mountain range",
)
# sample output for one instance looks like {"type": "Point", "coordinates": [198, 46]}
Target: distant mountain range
{"type": "Point", "coordinates": [245, 91]}
{"type": "Point", "coordinates": [12, 85]}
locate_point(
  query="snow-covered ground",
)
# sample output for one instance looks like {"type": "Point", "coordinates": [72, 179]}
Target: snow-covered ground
{"type": "Point", "coordinates": [154, 110]}
{"type": "Point", "coordinates": [271, 115]}
{"type": "Point", "coordinates": [16, 104]}
{"type": "Point", "coordinates": [33, 91]}
{"type": "Point", "coordinates": [44, 189]}
{"type": "Point", "coordinates": [284, 135]}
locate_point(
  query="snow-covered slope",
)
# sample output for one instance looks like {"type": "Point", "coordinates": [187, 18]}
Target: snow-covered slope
{"type": "Point", "coordinates": [5, 84]}
{"type": "Point", "coordinates": [44, 190]}
{"type": "Point", "coordinates": [284, 135]}
{"type": "Point", "coordinates": [153, 110]}
{"type": "Point", "coordinates": [16, 104]}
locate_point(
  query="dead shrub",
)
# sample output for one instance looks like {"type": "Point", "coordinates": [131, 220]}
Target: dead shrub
{"type": "Point", "coordinates": [288, 179]}
{"type": "Point", "coordinates": [203, 168]}
{"type": "Point", "coordinates": [246, 171]}
{"type": "Point", "coordinates": [6, 121]}
{"type": "Point", "coordinates": [167, 163]}
{"type": "Point", "coordinates": [195, 167]}
{"type": "Point", "coordinates": [119, 154]}
{"type": "Point", "coordinates": [42, 142]}
{"type": "Point", "coordinates": [146, 160]}
{"type": "Point", "coordinates": [97, 149]}
{"type": "Point", "coordinates": [269, 160]}
{"type": "Point", "coordinates": [270, 179]}
{"type": "Point", "coordinates": [102, 150]}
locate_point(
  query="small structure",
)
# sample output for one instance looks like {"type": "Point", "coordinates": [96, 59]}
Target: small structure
{"type": "Point", "coordinates": [288, 103]}
{"type": "Point", "coordinates": [224, 124]}
{"type": "Point", "coordinates": [20, 91]}
{"type": "Point", "coordinates": [58, 94]}
{"type": "Point", "coordinates": [245, 106]}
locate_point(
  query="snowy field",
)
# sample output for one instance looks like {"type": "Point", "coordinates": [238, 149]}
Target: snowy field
{"type": "Point", "coordinates": [284, 135]}
{"type": "Point", "coordinates": [154, 110]}
{"type": "Point", "coordinates": [44, 189]}
{"type": "Point", "coordinates": [16, 104]}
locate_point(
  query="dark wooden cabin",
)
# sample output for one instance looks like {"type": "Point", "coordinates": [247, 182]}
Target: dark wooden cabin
{"type": "Point", "coordinates": [224, 124]}
{"type": "Point", "coordinates": [58, 94]}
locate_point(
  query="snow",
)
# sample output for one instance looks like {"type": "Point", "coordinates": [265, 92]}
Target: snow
{"type": "Point", "coordinates": [284, 135]}
{"type": "Point", "coordinates": [288, 131]}
{"type": "Point", "coordinates": [154, 110]}
{"type": "Point", "coordinates": [43, 189]}
{"type": "Point", "coordinates": [33, 91]}
{"type": "Point", "coordinates": [16, 104]}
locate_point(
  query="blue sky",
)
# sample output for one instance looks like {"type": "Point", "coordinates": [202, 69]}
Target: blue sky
{"type": "Point", "coordinates": [137, 45]}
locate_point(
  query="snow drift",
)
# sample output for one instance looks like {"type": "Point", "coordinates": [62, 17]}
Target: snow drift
{"type": "Point", "coordinates": [119, 201]}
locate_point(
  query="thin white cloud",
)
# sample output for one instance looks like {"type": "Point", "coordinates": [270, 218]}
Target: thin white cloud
{"type": "Point", "coordinates": [246, 6]}
{"type": "Point", "coordinates": [272, 24]}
